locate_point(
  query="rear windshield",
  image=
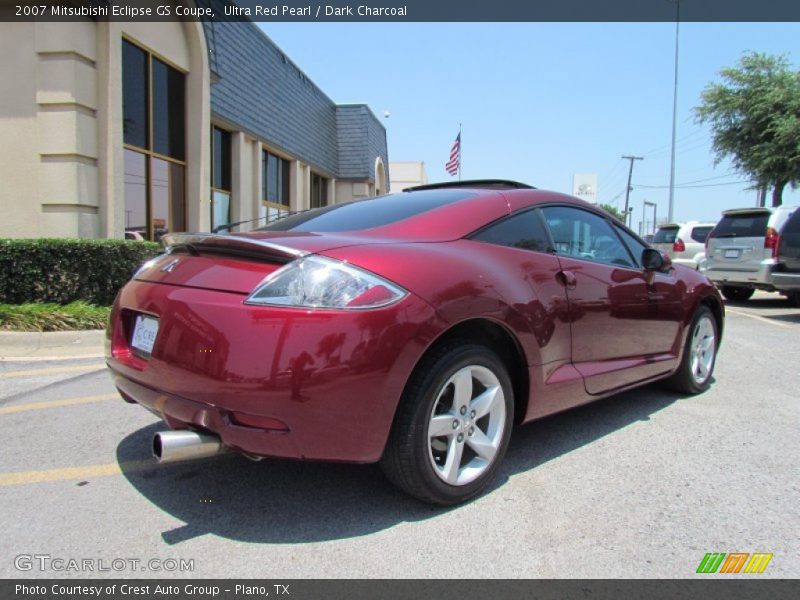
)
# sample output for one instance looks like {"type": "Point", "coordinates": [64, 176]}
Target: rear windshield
{"type": "Point", "coordinates": [793, 224]}
{"type": "Point", "coordinates": [699, 234]}
{"type": "Point", "coordinates": [369, 213]}
{"type": "Point", "coordinates": [745, 225]}
{"type": "Point", "coordinates": [666, 235]}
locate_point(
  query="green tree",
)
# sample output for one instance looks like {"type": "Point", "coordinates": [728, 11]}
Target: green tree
{"type": "Point", "coordinates": [754, 116]}
{"type": "Point", "coordinates": [614, 212]}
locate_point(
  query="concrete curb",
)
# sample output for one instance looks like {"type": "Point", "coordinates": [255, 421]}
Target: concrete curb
{"type": "Point", "coordinates": [15, 345]}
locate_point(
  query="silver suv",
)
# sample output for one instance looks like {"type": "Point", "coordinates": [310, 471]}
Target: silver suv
{"type": "Point", "coordinates": [684, 243]}
{"type": "Point", "coordinates": [741, 250]}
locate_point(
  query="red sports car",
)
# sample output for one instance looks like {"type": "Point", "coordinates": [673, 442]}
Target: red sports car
{"type": "Point", "coordinates": [414, 329]}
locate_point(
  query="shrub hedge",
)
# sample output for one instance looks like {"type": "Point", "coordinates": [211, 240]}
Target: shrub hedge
{"type": "Point", "coordinates": [64, 270]}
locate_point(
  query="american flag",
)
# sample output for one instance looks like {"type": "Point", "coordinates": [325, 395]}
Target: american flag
{"type": "Point", "coordinates": [454, 163]}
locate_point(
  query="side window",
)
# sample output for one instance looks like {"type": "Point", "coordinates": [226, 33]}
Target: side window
{"type": "Point", "coordinates": [581, 234]}
{"type": "Point", "coordinates": [522, 230]}
{"type": "Point", "coordinates": [634, 245]}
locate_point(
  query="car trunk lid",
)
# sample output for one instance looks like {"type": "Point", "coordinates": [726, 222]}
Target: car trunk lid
{"type": "Point", "coordinates": [216, 262]}
{"type": "Point", "coordinates": [664, 238]}
{"type": "Point", "coordinates": [738, 239]}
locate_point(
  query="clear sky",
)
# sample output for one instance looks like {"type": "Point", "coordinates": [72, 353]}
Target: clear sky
{"type": "Point", "coordinates": [542, 101]}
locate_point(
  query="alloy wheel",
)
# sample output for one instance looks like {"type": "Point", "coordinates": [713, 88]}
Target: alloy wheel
{"type": "Point", "coordinates": [466, 425]}
{"type": "Point", "coordinates": [703, 347]}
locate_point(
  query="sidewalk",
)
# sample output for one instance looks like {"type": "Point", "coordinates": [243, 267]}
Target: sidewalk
{"type": "Point", "coordinates": [51, 345]}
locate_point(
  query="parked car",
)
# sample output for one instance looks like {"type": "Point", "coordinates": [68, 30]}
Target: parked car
{"type": "Point", "coordinates": [786, 272]}
{"type": "Point", "coordinates": [414, 329]}
{"type": "Point", "coordinates": [683, 242]}
{"type": "Point", "coordinates": [742, 249]}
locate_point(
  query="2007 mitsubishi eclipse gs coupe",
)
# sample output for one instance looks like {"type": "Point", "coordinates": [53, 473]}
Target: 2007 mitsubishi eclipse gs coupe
{"type": "Point", "coordinates": [414, 329]}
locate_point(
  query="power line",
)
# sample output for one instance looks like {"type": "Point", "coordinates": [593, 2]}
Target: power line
{"type": "Point", "coordinates": [689, 182]}
{"type": "Point", "coordinates": [688, 187]}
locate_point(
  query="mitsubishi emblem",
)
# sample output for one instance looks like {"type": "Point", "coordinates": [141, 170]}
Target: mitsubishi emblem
{"type": "Point", "coordinates": [170, 266]}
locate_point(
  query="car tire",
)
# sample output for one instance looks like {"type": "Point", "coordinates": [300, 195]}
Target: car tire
{"type": "Point", "coordinates": [794, 298]}
{"type": "Point", "coordinates": [464, 392]}
{"type": "Point", "coordinates": [737, 293]}
{"type": "Point", "coordinates": [699, 355]}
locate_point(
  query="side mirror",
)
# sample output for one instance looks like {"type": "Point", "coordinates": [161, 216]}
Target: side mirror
{"type": "Point", "coordinates": [653, 260]}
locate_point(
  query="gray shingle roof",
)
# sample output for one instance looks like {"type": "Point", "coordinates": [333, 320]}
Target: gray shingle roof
{"type": "Point", "coordinates": [258, 89]}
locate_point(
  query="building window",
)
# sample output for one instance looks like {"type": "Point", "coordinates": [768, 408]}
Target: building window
{"type": "Point", "coordinates": [220, 178]}
{"type": "Point", "coordinates": [274, 185]}
{"type": "Point", "coordinates": [154, 135]}
{"type": "Point", "coordinates": [319, 191]}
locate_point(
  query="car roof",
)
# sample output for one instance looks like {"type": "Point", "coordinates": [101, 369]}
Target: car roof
{"type": "Point", "coordinates": [755, 210]}
{"type": "Point", "coordinates": [686, 224]}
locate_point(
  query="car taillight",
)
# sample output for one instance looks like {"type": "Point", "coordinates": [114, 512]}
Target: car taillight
{"type": "Point", "coordinates": [772, 241]}
{"type": "Point", "coordinates": [678, 245]}
{"type": "Point", "coordinates": [319, 282]}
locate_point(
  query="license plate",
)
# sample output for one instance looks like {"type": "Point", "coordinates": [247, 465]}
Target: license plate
{"type": "Point", "coordinates": [144, 334]}
{"type": "Point", "coordinates": [731, 254]}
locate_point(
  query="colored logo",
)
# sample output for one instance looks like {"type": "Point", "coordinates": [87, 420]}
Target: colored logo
{"type": "Point", "coordinates": [735, 562]}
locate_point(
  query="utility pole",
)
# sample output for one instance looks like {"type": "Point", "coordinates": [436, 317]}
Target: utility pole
{"type": "Point", "coordinates": [628, 189]}
{"type": "Point", "coordinates": [652, 205]}
{"type": "Point", "coordinates": [671, 205]}
{"type": "Point", "coordinates": [762, 195]}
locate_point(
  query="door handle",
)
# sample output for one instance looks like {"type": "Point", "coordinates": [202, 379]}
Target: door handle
{"type": "Point", "coordinates": [567, 279]}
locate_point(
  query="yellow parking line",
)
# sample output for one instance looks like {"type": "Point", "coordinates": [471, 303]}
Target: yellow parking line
{"type": "Point", "coordinates": [88, 471]}
{"type": "Point", "coordinates": [6, 410]}
{"type": "Point", "coordinates": [759, 318]}
{"type": "Point", "coordinates": [28, 477]}
{"type": "Point", "coordinates": [52, 371]}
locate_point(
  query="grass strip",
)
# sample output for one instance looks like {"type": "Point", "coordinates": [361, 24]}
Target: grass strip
{"type": "Point", "coordinates": [53, 317]}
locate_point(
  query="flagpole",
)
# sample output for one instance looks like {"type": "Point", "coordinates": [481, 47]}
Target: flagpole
{"type": "Point", "coordinates": [460, 151]}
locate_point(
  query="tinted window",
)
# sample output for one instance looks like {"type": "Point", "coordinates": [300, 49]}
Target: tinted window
{"type": "Point", "coordinates": [581, 234]}
{"type": "Point", "coordinates": [134, 95]}
{"type": "Point", "coordinates": [634, 245]}
{"type": "Point", "coordinates": [665, 235]}
{"type": "Point", "coordinates": [319, 191]}
{"type": "Point", "coordinates": [523, 230]}
{"type": "Point", "coordinates": [366, 214]}
{"type": "Point", "coordinates": [275, 179]}
{"type": "Point", "coordinates": [221, 159]}
{"type": "Point", "coordinates": [790, 243]}
{"type": "Point", "coordinates": [743, 225]}
{"type": "Point", "coordinates": [793, 224]}
{"type": "Point", "coordinates": [699, 234]}
{"type": "Point", "coordinates": [168, 111]}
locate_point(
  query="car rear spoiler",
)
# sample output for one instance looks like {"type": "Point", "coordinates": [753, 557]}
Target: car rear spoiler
{"type": "Point", "coordinates": [755, 210]}
{"type": "Point", "coordinates": [198, 244]}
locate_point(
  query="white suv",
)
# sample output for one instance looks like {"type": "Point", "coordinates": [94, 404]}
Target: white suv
{"type": "Point", "coordinates": [683, 242]}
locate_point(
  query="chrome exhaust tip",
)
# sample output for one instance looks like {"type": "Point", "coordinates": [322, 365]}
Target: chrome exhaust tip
{"type": "Point", "coordinates": [174, 446]}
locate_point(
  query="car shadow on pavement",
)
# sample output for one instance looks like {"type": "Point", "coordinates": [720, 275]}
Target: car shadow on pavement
{"type": "Point", "coordinates": [276, 501]}
{"type": "Point", "coordinates": [772, 301]}
{"type": "Point", "coordinates": [790, 318]}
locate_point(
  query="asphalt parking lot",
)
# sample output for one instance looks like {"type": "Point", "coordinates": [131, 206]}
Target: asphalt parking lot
{"type": "Point", "coordinates": [642, 484]}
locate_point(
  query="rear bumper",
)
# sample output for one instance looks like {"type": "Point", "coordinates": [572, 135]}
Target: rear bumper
{"type": "Point", "coordinates": [761, 278]}
{"type": "Point", "coordinates": [687, 262]}
{"type": "Point", "coordinates": [327, 383]}
{"type": "Point", "coordinates": [786, 281]}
